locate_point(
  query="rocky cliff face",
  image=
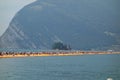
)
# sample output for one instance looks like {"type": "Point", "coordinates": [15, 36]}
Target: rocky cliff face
{"type": "Point", "coordinates": [83, 24]}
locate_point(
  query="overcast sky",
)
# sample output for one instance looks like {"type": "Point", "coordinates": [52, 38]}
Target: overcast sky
{"type": "Point", "coordinates": [8, 8]}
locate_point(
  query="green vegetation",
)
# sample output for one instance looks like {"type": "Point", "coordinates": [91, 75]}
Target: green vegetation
{"type": "Point", "coordinates": [60, 46]}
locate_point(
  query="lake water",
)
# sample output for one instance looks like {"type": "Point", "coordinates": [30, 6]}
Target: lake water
{"type": "Point", "coordinates": [87, 67]}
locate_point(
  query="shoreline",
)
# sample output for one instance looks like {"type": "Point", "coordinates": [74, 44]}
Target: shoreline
{"type": "Point", "coordinates": [59, 53]}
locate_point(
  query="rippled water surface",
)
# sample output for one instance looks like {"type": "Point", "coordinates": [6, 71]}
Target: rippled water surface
{"type": "Point", "coordinates": [87, 67]}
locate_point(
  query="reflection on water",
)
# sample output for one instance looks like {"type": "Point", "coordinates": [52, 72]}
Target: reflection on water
{"type": "Point", "coordinates": [88, 67]}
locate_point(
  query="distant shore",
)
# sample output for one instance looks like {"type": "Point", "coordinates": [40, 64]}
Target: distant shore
{"type": "Point", "coordinates": [50, 53]}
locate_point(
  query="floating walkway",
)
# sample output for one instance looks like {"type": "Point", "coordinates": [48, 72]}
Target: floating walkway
{"type": "Point", "coordinates": [52, 53]}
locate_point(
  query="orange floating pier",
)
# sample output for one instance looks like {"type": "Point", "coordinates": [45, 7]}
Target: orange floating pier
{"type": "Point", "coordinates": [52, 53]}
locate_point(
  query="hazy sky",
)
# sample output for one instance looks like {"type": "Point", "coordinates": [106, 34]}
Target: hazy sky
{"type": "Point", "coordinates": [8, 8]}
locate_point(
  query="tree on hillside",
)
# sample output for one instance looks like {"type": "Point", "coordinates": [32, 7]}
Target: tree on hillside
{"type": "Point", "coordinates": [60, 46]}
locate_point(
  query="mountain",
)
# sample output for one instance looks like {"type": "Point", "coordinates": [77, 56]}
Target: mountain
{"type": "Point", "coordinates": [82, 24]}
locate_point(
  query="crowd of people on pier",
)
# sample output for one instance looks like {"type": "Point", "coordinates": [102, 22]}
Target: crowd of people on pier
{"type": "Point", "coordinates": [30, 53]}
{"type": "Point", "coordinates": [39, 53]}
{"type": "Point", "coordinates": [51, 53]}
